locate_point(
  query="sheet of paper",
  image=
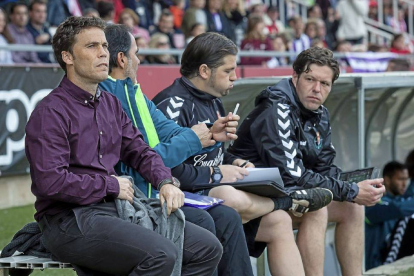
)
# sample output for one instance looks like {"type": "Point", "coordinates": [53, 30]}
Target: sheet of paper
{"type": "Point", "coordinates": [262, 174]}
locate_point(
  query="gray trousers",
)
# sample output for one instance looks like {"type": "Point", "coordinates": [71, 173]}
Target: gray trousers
{"type": "Point", "coordinates": [100, 243]}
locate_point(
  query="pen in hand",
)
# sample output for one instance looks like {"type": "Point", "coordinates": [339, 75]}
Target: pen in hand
{"type": "Point", "coordinates": [234, 113]}
{"type": "Point", "coordinates": [244, 164]}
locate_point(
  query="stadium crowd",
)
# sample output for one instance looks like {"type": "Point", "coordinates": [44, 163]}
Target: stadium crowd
{"type": "Point", "coordinates": [171, 24]}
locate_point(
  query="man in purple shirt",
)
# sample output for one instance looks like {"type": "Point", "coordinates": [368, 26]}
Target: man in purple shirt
{"type": "Point", "coordinates": [74, 138]}
{"type": "Point", "coordinates": [20, 34]}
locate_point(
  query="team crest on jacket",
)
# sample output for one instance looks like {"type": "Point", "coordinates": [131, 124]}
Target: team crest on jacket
{"type": "Point", "coordinates": [318, 140]}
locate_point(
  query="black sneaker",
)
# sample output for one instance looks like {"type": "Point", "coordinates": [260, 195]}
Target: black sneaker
{"type": "Point", "coordinates": [309, 200]}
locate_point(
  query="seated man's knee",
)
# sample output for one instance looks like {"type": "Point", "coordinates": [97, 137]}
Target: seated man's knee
{"type": "Point", "coordinates": [352, 211]}
{"type": "Point", "coordinates": [278, 221]}
{"type": "Point", "coordinates": [225, 217]}
{"type": "Point", "coordinates": [276, 225]}
{"type": "Point", "coordinates": [320, 215]}
{"type": "Point", "coordinates": [161, 259]}
{"type": "Point", "coordinates": [199, 217]}
{"type": "Point", "coordinates": [346, 212]}
{"type": "Point", "coordinates": [233, 198]}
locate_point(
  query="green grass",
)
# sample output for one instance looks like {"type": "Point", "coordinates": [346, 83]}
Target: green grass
{"type": "Point", "coordinates": [11, 221]}
{"type": "Point", "coordinates": [409, 272]}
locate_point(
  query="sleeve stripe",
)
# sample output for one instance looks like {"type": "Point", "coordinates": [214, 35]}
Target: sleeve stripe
{"type": "Point", "coordinates": [284, 132]}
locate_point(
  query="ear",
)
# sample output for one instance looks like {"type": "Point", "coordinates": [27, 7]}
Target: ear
{"type": "Point", "coordinates": [387, 181]}
{"type": "Point", "coordinates": [295, 78]}
{"type": "Point", "coordinates": [67, 57]}
{"type": "Point", "coordinates": [122, 60]}
{"type": "Point", "coordinates": [204, 72]}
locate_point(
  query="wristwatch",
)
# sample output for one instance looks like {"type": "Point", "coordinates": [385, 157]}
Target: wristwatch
{"type": "Point", "coordinates": [174, 181]}
{"type": "Point", "coordinates": [216, 176]}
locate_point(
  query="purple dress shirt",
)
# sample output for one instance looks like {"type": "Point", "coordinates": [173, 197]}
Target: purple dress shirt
{"type": "Point", "coordinates": [73, 143]}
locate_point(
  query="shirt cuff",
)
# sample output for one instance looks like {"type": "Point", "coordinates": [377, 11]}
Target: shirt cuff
{"type": "Point", "coordinates": [112, 188]}
{"type": "Point", "coordinates": [353, 192]}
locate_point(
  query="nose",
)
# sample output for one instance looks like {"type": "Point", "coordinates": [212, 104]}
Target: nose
{"type": "Point", "coordinates": [233, 76]}
{"type": "Point", "coordinates": [103, 51]}
{"type": "Point", "coordinates": [317, 87]}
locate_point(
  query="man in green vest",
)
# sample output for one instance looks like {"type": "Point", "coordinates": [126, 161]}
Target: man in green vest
{"type": "Point", "coordinates": [174, 144]}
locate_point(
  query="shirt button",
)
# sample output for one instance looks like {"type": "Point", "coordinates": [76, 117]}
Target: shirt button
{"type": "Point", "coordinates": [100, 156]}
{"type": "Point", "coordinates": [100, 132]}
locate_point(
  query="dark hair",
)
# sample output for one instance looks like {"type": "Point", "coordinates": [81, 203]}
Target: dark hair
{"type": "Point", "coordinates": [318, 56]}
{"type": "Point", "coordinates": [65, 36]}
{"type": "Point", "coordinates": [409, 162]}
{"type": "Point", "coordinates": [165, 13]}
{"type": "Point", "coordinates": [119, 41]}
{"type": "Point", "coordinates": [34, 2]}
{"type": "Point", "coordinates": [15, 5]}
{"type": "Point", "coordinates": [195, 25]}
{"type": "Point", "coordinates": [105, 8]}
{"type": "Point", "coordinates": [400, 64]}
{"type": "Point", "coordinates": [392, 167]}
{"type": "Point", "coordinates": [207, 48]}
{"type": "Point", "coordinates": [395, 38]}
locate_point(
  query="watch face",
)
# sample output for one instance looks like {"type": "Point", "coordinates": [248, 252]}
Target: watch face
{"type": "Point", "coordinates": [217, 177]}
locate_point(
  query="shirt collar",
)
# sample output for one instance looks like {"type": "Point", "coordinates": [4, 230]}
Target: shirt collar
{"type": "Point", "coordinates": [77, 92]}
{"type": "Point", "coordinates": [197, 92]}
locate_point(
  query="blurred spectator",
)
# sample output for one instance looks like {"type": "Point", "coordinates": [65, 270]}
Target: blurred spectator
{"type": "Point", "coordinates": [144, 10]}
{"type": "Point", "coordinates": [257, 9]}
{"type": "Point", "coordinates": [196, 30]}
{"type": "Point", "coordinates": [409, 162]}
{"type": "Point", "coordinates": [236, 15]}
{"type": "Point", "coordinates": [312, 29]}
{"type": "Point", "coordinates": [399, 45]}
{"type": "Point", "coordinates": [255, 40]}
{"type": "Point", "coordinates": [59, 10]}
{"type": "Point", "coordinates": [315, 12]}
{"type": "Point", "coordinates": [316, 42]}
{"type": "Point", "coordinates": [398, 65]}
{"type": "Point", "coordinates": [90, 12]}
{"type": "Point", "coordinates": [141, 44]}
{"type": "Point", "coordinates": [38, 27]}
{"type": "Point", "coordinates": [234, 11]}
{"type": "Point", "coordinates": [387, 14]}
{"type": "Point", "coordinates": [351, 26]}
{"type": "Point", "coordinates": [375, 48]}
{"type": "Point", "coordinates": [272, 22]}
{"type": "Point", "coordinates": [373, 10]}
{"type": "Point", "coordinates": [20, 34]}
{"type": "Point", "coordinates": [194, 14]}
{"type": "Point", "coordinates": [399, 24]}
{"type": "Point", "coordinates": [130, 19]}
{"type": "Point", "coordinates": [106, 11]}
{"type": "Point", "coordinates": [300, 41]}
{"type": "Point", "coordinates": [331, 27]}
{"type": "Point", "coordinates": [5, 56]}
{"type": "Point", "coordinates": [343, 47]}
{"type": "Point", "coordinates": [279, 44]}
{"type": "Point", "coordinates": [382, 218]}
{"type": "Point", "coordinates": [166, 26]}
{"type": "Point", "coordinates": [160, 41]}
{"type": "Point", "coordinates": [325, 5]}
{"type": "Point", "coordinates": [217, 20]}
{"type": "Point", "coordinates": [177, 10]}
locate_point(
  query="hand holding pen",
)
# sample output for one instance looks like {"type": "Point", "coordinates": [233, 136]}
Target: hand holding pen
{"type": "Point", "coordinates": [224, 129]}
